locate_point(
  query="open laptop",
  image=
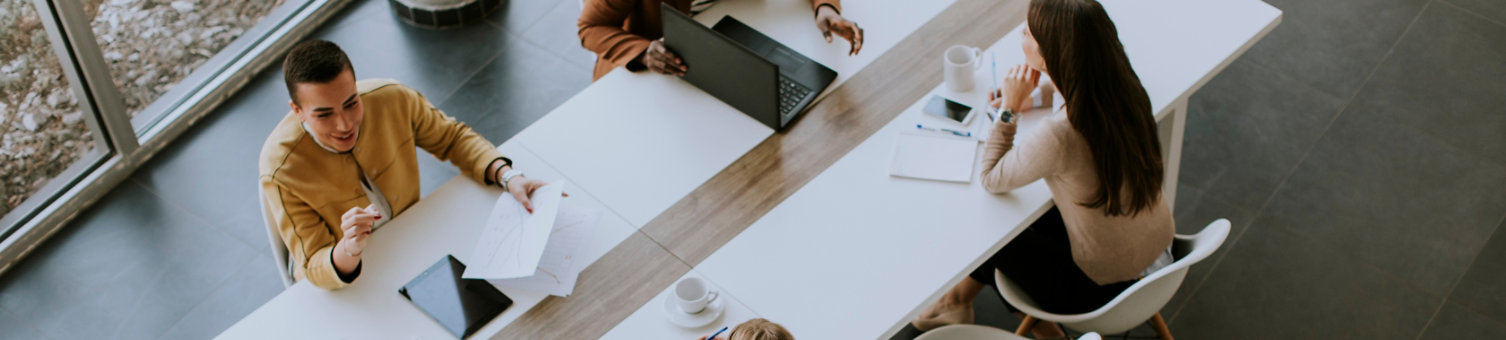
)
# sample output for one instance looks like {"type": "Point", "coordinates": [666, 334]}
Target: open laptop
{"type": "Point", "coordinates": [744, 68]}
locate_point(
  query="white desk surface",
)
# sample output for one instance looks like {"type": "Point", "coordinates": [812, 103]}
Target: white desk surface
{"type": "Point", "coordinates": [873, 249]}
{"type": "Point", "coordinates": [649, 322]}
{"type": "Point", "coordinates": [866, 245]}
{"type": "Point", "coordinates": [448, 221]}
{"type": "Point", "coordinates": [641, 141]}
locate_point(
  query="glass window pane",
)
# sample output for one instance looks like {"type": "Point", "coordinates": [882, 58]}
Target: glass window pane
{"type": "Point", "coordinates": [44, 130]}
{"type": "Point", "coordinates": [151, 46]}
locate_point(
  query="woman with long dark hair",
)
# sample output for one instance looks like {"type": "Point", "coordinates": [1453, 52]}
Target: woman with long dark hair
{"type": "Point", "coordinates": [1100, 156]}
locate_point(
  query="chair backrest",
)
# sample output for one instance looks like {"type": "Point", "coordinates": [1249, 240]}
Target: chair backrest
{"type": "Point", "coordinates": [1138, 302]}
{"type": "Point", "coordinates": [279, 249]}
{"type": "Point", "coordinates": [980, 332]}
{"type": "Point", "coordinates": [968, 332]}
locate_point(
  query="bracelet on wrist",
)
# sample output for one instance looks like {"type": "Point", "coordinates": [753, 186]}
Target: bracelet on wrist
{"type": "Point", "coordinates": [497, 176]}
{"type": "Point", "coordinates": [509, 175]}
{"type": "Point", "coordinates": [496, 173]}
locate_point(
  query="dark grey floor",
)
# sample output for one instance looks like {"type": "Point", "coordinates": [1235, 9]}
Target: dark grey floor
{"type": "Point", "coordinates": [1360, 150]}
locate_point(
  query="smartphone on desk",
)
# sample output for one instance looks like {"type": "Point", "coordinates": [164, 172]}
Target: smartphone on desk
{"type": "Point", "coordinates": [948, 109]}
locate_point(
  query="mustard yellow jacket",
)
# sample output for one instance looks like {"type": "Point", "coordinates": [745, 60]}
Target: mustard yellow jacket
{"type": "Point", "coordinates": [307, 188]}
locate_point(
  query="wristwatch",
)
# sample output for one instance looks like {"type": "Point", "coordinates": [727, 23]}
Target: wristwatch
{"type": "Point", "coordinates": [507, 177]}
{"type": "Point", "coordinates": [1006, 115]}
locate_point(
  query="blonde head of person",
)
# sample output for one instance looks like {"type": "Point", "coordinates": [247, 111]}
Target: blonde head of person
{"type": "Point", "coordinates": [757, 329]}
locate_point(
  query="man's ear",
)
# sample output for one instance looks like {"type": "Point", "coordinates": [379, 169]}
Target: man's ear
{"type": "Point", "coordinates": [294, 106]}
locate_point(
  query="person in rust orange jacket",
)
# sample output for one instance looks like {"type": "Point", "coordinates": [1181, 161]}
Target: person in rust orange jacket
{"type": "Point", "coordinates": [627, 33]}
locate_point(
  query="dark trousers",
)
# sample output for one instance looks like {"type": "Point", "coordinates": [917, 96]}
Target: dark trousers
{"type": "Point", "coordinates": [1039, 261]}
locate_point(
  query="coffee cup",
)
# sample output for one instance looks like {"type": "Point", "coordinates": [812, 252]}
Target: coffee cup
{"type": "Point", "coordinates": [693, 294]}
{"type": "Point", "coordinates": [959, 63]}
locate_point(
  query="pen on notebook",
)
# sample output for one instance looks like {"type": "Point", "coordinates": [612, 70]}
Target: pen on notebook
{"type": "Point", "coordinates": [946, 130]}
{"type": "Point", "coordinates": [713, 335]}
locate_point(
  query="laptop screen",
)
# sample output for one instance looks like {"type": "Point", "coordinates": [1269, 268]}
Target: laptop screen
{"type": "Point", "coordinates": [723, 68]}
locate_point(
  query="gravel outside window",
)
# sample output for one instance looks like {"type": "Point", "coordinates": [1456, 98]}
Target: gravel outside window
{"type": "Point", "coordinates": [150, 46]}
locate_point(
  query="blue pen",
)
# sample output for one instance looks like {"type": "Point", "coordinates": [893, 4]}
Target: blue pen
{"type": "Point", "coordinates": [993, 62]}
{"type": "Point", "coordinates": [713, 335]}
{"type": "Point", "coordinates": [953, 132]}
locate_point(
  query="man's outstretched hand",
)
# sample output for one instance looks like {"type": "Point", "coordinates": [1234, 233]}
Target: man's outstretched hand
{"type": "Point", "coordinates": [830, 22]}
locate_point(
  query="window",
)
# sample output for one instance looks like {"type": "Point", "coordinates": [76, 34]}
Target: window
{"type": "Point", "coordinates": [90, 89]}
{"type": "Point", "coordinates": [45, 132]}
{"type": "Point", "coordinates": [152, 46]}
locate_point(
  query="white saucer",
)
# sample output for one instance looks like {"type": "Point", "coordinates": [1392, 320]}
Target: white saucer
{"type": "Point", "coordinates": [705, 317]}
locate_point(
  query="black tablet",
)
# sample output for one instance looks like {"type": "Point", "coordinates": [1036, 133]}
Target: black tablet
{"type": "Point", "coordinates": [460, 305]}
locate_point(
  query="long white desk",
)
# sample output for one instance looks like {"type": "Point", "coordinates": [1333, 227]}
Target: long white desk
{"type": "Point", "coordinates": [631, 144]}
{"type": "Point", "coordinates": [447, 222]}
{"type": "Point", "coordinates": [641, 141]}
{"type": "Point", "coordinates": [856, 253]}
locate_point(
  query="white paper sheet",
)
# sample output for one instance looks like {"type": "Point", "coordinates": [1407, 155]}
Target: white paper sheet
{"type": "Point", "coordinates": [558, 267]}
{"type": "Point", "coordinates": [513, 241]}
{"type": "Point", "coordinates": [934, 156]}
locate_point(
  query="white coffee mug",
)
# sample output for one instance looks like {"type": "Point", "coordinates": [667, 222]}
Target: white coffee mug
{"type": "Point", "coordinates": [959, 63]}
{"type": "Point", "coordinates": [693, 294]}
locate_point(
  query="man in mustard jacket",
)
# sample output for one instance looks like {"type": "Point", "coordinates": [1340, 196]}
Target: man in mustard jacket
{"type": "Point", "coordinates": [343, 162]}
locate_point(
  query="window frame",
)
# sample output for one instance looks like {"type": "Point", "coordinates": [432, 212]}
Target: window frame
{"type": "Point", "coordinates": [123, 144]}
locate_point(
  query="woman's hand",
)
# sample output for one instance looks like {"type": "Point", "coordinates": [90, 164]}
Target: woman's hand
{"type": "Point", "coordinates": [1018, 84]}
{"type": "Point", "coordinates": [995, 100]}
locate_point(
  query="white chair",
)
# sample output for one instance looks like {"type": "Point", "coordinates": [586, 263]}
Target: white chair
{"type": "Point", "coordinates": [977, 332]}
{"type": "Point", "coordinates": [279, 249]}
{"type": "Point", "coordinates": [1137, 304]}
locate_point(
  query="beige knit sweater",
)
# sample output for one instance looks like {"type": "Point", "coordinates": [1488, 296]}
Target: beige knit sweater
{"type": "Point", "coordinates": [1107, 249]}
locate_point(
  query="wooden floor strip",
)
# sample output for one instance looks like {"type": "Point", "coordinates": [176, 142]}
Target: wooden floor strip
{"type": "Point", "coordinates": [607, 292]}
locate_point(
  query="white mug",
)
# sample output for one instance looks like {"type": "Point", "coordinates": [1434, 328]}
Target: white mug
{"type": "Point", "coordinates": [693, 294]}
{"type": "Point", "coordinates": [959, 63]}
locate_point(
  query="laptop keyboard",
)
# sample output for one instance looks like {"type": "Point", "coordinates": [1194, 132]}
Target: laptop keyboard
{"type": "Point", "coordinates": [790, 94]}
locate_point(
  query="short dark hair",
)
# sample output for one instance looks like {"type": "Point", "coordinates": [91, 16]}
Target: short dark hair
{"type": "Point", "coordinates": [313, 61]}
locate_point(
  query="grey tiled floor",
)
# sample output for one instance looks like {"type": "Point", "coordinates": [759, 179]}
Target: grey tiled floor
{"type": "Point", "coordinates": [1360, 150]}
